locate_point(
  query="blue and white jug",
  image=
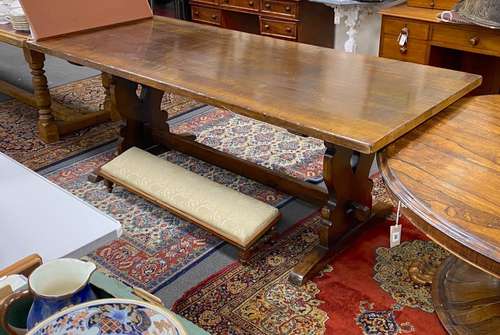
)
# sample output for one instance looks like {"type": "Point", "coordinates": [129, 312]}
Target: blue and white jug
{"type": "Point", "coordinates": [58, 284]}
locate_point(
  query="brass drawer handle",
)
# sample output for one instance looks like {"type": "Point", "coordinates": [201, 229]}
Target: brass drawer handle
{"type": "Point", "coordinates": [267, 26]}
{"type": "Point", "coordinates": [214, 17]}
{"type": "Point", "coordinates": [267, 5]}
{"type": "Point", "coordinates": [288, 29]}
{"type": "Point", "coordinates": [288, 8]}
{"type": "Point", "coordinates": [250, 3]}
{"type": "Point", "coordinates": [474, 41]}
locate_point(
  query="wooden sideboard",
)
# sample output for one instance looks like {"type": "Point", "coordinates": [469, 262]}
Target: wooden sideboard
{"type": "Point", "coordinates": [295, 20]}
{"type": "Point", "coordinates": [462, 47]}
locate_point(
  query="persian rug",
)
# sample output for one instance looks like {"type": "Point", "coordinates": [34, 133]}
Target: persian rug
{"type": "Point", "coordinates": [364, 290]}
{"type": "Point", "coordinates": [156, 246]}
{"type": "Point", "coordinates": [88, 94]}
{"type": "Point", "coordinates": [18, 134]}
{"type": "Point", "coordinates": [258, 142]}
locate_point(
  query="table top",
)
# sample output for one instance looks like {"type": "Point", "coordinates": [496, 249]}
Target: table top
{"type": "Point", "coordinates": [360, 102]}
{"type": "Point", "coordinates": [447, 171]}
{"type": "Point", "coordinates": [12, 37]}
{"type": "Point", "coordinates": [37, 216]}
{"type": "Point", "coordinates": [416, 13]}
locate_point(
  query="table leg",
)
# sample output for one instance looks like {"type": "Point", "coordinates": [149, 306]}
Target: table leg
{"type": "Point", "coordinates": [349, 206]}
{"type": "Point", "coordinates": [137, 111]}
{"type": "Point", "coordinates": [47, 126]}
{"type": "Point", "coordinates": [109, 105]}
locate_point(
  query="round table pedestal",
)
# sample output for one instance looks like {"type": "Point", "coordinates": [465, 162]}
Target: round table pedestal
{"type": "Point", "coordinates": [466, 299]}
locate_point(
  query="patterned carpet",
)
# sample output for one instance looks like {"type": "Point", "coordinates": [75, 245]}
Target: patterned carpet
{"type": "Point", "coordinates": [18, 135]}
{"type": "Point", "coordinates": [258, 142]}
{"type": "Point", "coordinates": [156, 246]}
{"type": "Point", "coordinates": [365, 290]}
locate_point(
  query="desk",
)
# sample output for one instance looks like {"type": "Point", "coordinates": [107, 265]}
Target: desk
{"type": "Point", "coordinates": [54, 118]}
{"type": "Point", "coordinates": [461, 47]}
{"type": "Point", "coordinates": [447, 174]}
{"type": "Point", "coordinates": [37, 216]}
{"type": "Point", "coordinates": [356, 104]}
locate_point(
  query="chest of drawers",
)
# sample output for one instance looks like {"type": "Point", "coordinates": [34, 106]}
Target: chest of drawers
{"type": "Point", "coordinates": [295, 20]}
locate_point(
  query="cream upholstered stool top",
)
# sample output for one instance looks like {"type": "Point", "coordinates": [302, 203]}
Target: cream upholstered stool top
{"type": "Point", "coordinates": [235, 217]}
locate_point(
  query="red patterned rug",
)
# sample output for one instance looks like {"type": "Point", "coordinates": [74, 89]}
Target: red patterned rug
{"type": "Point", "coordinates": [156, 246]}
{"type": "Point", "coordinates": [364, 290]}
{"type": "Point", "coordinates": [18, 134]}
{"type": "Point", "coordinates": [258, 142]}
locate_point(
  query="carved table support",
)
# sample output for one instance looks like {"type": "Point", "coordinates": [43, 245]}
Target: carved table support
{"type": "Point", "coordinates": [137, 111]}
{"type": "Point", "coordinates": [466, 299]}
{"type": "Point", "coordinates": [109, 103]}
{"type": "Point", "coordinates": [346, 177]}
{"type": "Point", "coordinates": [47, 126]}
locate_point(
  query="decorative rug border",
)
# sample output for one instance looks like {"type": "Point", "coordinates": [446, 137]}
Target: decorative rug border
{"type": "Point", "coordinates": [234, 264]}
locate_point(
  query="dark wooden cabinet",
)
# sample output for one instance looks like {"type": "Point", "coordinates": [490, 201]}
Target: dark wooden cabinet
{"type": "Point", "coordinates": [294, 20]}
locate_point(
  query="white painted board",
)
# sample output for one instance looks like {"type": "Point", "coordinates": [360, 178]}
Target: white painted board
{"type": "Point", "coordinates": [37, 216]}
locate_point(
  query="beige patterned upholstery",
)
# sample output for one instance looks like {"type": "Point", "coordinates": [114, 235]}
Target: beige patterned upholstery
{"type": "Point", "coordinates": [236, 217]}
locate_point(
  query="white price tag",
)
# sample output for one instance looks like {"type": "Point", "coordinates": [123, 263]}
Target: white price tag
{"type": "Point", "coordinates": [403, 38]}
{"type": "Point", "coordinates": [395, 231]}
{"type": "Point", "coordinates": [395, 236]}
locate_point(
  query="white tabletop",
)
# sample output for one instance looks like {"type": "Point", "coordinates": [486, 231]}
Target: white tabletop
{"type": "Point", "coordinates": [37, 216]}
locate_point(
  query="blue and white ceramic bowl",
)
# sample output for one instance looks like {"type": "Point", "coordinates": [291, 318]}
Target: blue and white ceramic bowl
{"type": "Point", "coordinates": [111, 316]}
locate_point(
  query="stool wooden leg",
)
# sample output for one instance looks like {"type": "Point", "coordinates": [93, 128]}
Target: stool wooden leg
{"type": "Point", "coordinates": [245, 256]}
{"type": "Point", "coordinates": [47, 126]}
{"type": "Point", "coordinates": [348, 207]}
{"type": "Point", "coordinates": [109, 185]}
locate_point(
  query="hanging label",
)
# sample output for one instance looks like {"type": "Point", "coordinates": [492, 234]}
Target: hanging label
{"type": "Point", "coordinates": [395, 238]}
{"type": "Point", "coordinates": [395, 232]}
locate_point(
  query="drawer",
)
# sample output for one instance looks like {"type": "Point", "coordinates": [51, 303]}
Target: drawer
{"type": "Point", "coordinates": [416, 50]}
{"type": "Point", "coordinates": [285, 8]}
{"type": "Point", "coordinates": [206, 15]}
{"type": "Point", "coordinates": [481, 40]}
{"type": "Point", "coordinates": [283, 29]}
{"type": "Point", "coordinates": [251, 5]}
{"type": "Point", "coordinates": [436, 4]}
{"type": "Point", "coordinates": [417, 30]}
{"type": "Point", "coordinates": [210, 2]}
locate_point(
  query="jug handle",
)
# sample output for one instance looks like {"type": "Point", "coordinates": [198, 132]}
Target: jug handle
{"type": "Point", "coordinates": [5, 306]}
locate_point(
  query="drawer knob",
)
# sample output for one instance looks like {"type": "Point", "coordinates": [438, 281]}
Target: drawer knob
{"type": "Point", "coordinates": [196, 13]}
{"type": "Point", "coordinates": [267, 26]}
{"type": "Point", "coordinates": [214, 17]}
{"type": "Point", "coordinates": [250, 3]}
{"type": "Point", "coordinates": [474, 41]}
{"type": "Point", "coordinates": [432, 4]}
{"type": "Point", "coordinates": [288, 8]}
{"type": "Point", "coordinates": [267, 5]}
{"type": "Point", "coordinates": [288, 29]}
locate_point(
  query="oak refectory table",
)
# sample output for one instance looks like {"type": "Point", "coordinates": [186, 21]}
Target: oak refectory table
{"type": "Point", "coordinates": [355, 104]}
{"type": "Point", "coordinates": [54, 119]}
{"type": "Point", "coordinates": [447, 174]}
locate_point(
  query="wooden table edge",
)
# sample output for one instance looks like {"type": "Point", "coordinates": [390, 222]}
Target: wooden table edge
{"type": "Point", "coordinates": [432, 225]}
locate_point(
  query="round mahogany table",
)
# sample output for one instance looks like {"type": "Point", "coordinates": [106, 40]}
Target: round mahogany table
{"type": "Point", "coordinates": [446, 173]}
